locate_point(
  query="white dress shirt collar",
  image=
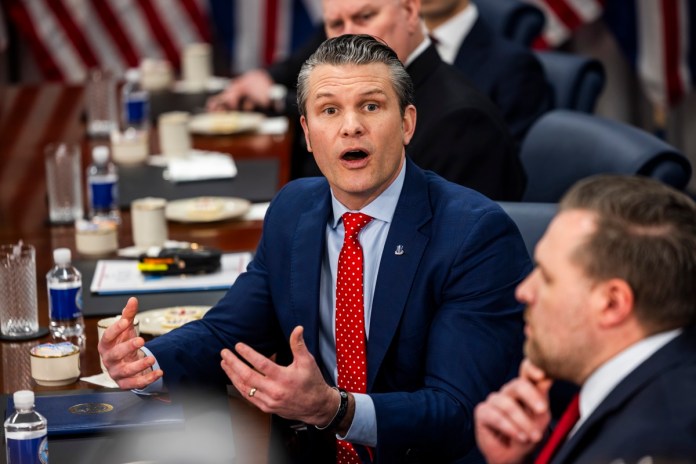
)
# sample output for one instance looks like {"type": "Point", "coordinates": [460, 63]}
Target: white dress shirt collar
{"type": "Point", "coordinates": [603, 380]}
{"type": "Point", "coordinates": [419, 49]}
{"type": "Point", "coordinates": [450, 34]}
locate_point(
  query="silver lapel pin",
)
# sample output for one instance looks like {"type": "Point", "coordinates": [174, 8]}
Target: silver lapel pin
{"type": "Point", "coordinates": [399, 250]}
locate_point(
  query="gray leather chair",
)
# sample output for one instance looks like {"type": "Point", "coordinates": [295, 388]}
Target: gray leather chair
{"type": "Point", "coordinates": [515, 20]}
{"type": "Point", "coordinates": [531, 219]}
{"type": "Point", "coordinates": [565, 146]}
{"type": "Point", "coordinates": [576, 80]}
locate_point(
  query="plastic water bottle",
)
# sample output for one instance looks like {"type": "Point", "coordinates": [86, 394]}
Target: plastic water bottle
{"type": "Point", "coordinates": [136, 103]}
{"type": "Point", "coordinates": [102, 182]}
{"type": "Point", "coordinates": [64, 284]}
{"type": "Point", "coordinates": [26, 432]}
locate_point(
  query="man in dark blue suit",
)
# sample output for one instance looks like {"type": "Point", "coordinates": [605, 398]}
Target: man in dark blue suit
{"type": "Point", "coordinates": [441, 324]}
{"type": "Point", "coordinates": [506, 72]}
{"type": "Point", "coordinates": [611, 306]}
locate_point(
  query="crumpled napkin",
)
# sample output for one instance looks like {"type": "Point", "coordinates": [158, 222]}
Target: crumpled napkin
{"type": "Point", "coordinates": [103, 380]}
{"type": "Point", "coordinates": [200, 165]}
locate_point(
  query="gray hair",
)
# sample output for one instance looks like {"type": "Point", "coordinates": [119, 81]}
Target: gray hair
{"type": "Point", "coordinates": [354, 49]}
{"type": "Point", "coordinates": [645, 235]}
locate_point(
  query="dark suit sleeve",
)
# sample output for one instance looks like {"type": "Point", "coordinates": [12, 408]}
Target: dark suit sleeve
{"type": "Point", "coordinates": [190, 355]}
{"type": "Point", "coordinates": [285, 71]}
{"type": "Point", "coordinates": [473, 344]}
{"type": "Point", "coordinates": [523, 95]}
{"type": "Point", "coordinates": [469, 147]}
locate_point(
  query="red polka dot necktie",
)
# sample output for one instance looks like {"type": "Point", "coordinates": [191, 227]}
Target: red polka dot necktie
{"type": "Point", "coordinates": [559, 434]}
{"type": "Point", "coordinates": [350, 320]}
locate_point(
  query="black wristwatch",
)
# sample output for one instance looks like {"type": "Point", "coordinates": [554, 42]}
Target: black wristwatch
{"type": "Point", "coordinates": [340, 413]}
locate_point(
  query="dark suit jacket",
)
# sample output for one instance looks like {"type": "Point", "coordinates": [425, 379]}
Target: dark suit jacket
{"type": "Point", "coordinates": [507, 73]}
{"type": "Point", "coordinates": [445, 328]}
{"type": "Point", "coordinates": [459, 132]}
{"type": "Point", "coordinates": [652, 412]}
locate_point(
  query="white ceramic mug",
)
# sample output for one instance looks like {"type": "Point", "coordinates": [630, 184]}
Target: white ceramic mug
{"type": "Point", "coordinates": [197, 66]}
{"type": "Point", "coordinates": [174, 136]}
{"type": "Point", "coordinates": [55, 364]}
{"type": "Point", "coordinates": [149, 222]}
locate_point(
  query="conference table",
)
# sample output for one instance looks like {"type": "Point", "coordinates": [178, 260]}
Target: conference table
{"type": "Point", "coordinates": [33, 116]}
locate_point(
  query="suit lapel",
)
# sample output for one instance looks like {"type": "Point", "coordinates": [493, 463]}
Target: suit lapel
{"type": "Point", "coordinates": [472, 51]}
{"type": "Point", "coordinates": [307, 254]}
{"type": "Point", "coordinates": [423, 66]}
{"type": "Point", "coordinates": [397, 271]}
{"type": "Point", "coordinates": [674, 353]}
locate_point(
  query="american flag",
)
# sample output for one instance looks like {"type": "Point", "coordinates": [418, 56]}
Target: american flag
{"type": "Point", "coordinates": [68, 37]}
{"type": "Point", "coordinates": [656, 36]}
{"type": "Point", "coordinates": [659, 39]}
{"type": "Point", "coordinates": [563, 17]}
{"type": "Point", "coordinates": [259, 32]}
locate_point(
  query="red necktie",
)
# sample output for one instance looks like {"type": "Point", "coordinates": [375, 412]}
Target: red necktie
{"type": "Point", "coordinates": [350, 320]}
{"type": "Point", "coordinates": [559, 434]}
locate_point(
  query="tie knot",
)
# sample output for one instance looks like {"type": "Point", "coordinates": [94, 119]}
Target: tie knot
{"type": "Point", "coordinates": [354, 222]}
{"type": "Point", "coordinates": [434, 39]}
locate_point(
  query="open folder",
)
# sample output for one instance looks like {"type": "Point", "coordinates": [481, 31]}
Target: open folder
{"type": "Point", "coordinates": [82, 413]}
{"type": "Point", "coordinates": [117, 277]}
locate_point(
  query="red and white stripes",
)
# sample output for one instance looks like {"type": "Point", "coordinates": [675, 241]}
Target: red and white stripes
{"type": "Point", "coordinates": [263, 30]}
{"type": "Point", "coordinates": [563, 17]}
{"type": "Point", "coordinates": [663, 50]}
{"type": "Point", "coordinates": [68, 37]}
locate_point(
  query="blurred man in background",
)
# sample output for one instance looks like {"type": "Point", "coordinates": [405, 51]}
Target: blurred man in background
{"type": "Point", "coordinates": [509, 74]}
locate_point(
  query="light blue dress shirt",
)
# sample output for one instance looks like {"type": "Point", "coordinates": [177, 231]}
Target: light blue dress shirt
{"type": "Point", "coordinates": [372, 239]}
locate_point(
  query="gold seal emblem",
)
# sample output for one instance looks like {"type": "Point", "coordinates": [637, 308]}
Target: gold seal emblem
{"type": "Point", "coordinates": [91, 408]}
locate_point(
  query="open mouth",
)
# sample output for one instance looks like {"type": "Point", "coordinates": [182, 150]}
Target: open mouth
{"type": "Point", "coordinates": [354, 155]}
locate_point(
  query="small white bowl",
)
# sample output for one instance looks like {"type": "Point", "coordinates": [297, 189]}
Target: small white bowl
{"type": "Point", "coordinates": [54, 365]}
{"type": "Point", "coordinates": [96, 238]}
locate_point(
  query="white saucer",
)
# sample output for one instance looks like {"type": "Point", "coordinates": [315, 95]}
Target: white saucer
{"type": "Point", "coordinates": [230, 122]}
{"type": "Point", "coordinates": [206, 209]}
{"type": "Point", "coordinates": [214, 84]}
{"type": "Point", "coordinates": [160, 321]}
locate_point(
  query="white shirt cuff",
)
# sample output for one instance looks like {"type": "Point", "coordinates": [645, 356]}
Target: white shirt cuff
{"type": "Point", "coordinates": [363, 430]}
{"type": "Point", "coordinates": [155, 387]}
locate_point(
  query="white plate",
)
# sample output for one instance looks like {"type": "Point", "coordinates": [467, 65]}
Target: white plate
{"type": "Point", "coordinates": [161, 321]}
{"type": "Point", "coordinates": [206, 209]}
{"type": "Point", "coordinates": [214, 84]}
{"type": "Point", "coordinates": [231, 122]}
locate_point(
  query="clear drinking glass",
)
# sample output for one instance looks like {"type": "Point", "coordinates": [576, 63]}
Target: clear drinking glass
{"type": "Point", "coordinates": [19, 314]}
{"type": "Point", "coordinates": [101, 103]}
{"type": "Point", "coordinates": [64, 182]}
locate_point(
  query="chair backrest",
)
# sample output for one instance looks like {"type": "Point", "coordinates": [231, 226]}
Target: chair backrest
{"type": "Point", "coordinates": [576, 80]}
{"type": "Point", "coordinates": [564, 146]}
{"type": "Point", "coordinates": [515, 20]}
{"type": "Point", "coordinates": [531, 219]}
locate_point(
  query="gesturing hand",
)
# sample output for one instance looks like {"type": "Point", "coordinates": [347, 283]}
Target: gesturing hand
{"type": "Point", "coordinates": [296, 392]}
{"type": "Point", "coordinates": [246, 92]}
{"type": "Point", "coordinates": [119, 349]}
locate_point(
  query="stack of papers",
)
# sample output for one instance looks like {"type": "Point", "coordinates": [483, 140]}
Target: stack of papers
{"type": "Point", "coordinates": [200, 165]}
{"type": "Point", "coordinates": [120, 276]}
